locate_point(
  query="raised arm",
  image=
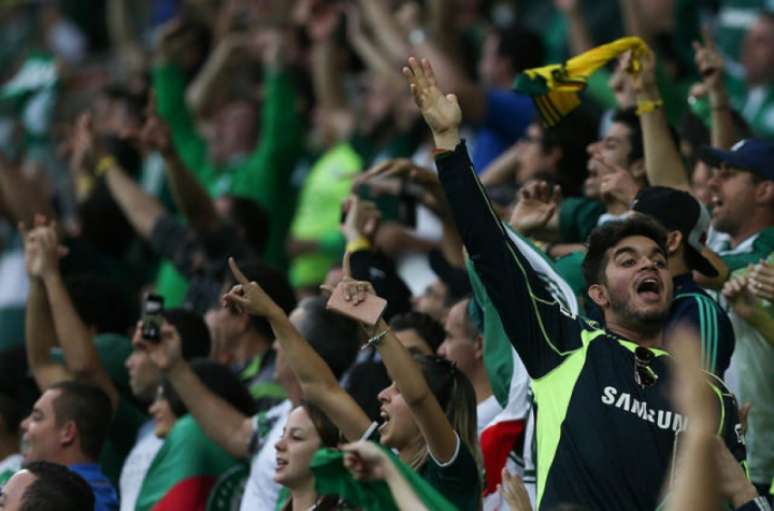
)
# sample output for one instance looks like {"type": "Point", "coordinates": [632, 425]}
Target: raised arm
{"type": "Point", "coordinates": [541, 332]}
{"type": "Point", "coordinates": [709, 61]}
{"type": "Point", "coordinates": [578, 31]}
{"type": "Point", "coordinates": [75, 337]}
{"type": "Point", "coordinates": [328, 87]}
{"type": "Point", "coordinates": [191, 198]}
{"type": "Point", "coordinates": [386, 28]}
{"type": "Point", "coordinates": [169, 86]}
{"type": "Point", "coordinates": [207, 84]}
{"type": "Point", "coordinates": [141, 209]}
{"type": "Point", "coordinates": [663, 164]}
{"type": "Point", "coordinates": [221, 422]}
{"type": "Point", "coordinates": [370, 53]}
{"type": "Point", "coordinates": [318, 383]}
{"type": "Point", "coordinates": [40, 335]}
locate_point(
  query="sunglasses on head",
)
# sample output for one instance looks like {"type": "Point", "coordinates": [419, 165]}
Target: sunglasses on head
{"type": "Point", "coordinates": [644, 375]}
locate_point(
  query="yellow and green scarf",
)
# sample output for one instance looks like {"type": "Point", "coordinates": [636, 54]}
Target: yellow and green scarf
{"type": "Point", "coordinates": [554, 88]}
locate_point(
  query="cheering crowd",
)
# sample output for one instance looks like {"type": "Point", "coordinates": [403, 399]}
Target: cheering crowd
{"type": "Point", "coordinates": [386, 254]}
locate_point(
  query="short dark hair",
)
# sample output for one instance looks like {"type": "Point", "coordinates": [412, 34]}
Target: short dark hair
{"type": "Point", "coordinates": [521, 46]}
{"type": "Point", "coordinates": [333, 336]}
{"type": "Point", "coordinates": [607, 235]}
{"type": "Point", "coordinates": [220, 380]}
{"type": "Point", "coordinates": [194, 334]}
{"type": "Point", "coordinates": [629, 117]}
{"type": "Point", "coordinates": [102, 303]}
{"type": "Point", "coordinates": [275, 284]}
{"type": "Point", "coordinates": [89, 408]}
{"type": "Point", "coordinates": [425, 325]}
{"type": "Point", "coordinates": [56, 488]}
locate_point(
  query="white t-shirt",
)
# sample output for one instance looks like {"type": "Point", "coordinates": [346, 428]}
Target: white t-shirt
{"type": "Point", "coordinates": [137, 464]}
{"type": "Point", "coordinates": [261, 492]}
{"type": "Point", "coordinates": [486, 411]}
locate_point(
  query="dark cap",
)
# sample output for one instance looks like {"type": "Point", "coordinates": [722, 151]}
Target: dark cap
{"type": "Point", "coordinates": [752, 154]}
{"type": "Point", "coordinates": [677, 210]}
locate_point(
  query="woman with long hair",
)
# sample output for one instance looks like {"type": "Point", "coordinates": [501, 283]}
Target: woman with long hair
{"type": "Point", "coordinates": [429, 411]}
{"type": "Point", "coordinates": [307, 430]}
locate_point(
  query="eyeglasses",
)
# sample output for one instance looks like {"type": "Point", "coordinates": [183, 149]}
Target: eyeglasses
{"type": "Point", "coordinates": [644, 375]}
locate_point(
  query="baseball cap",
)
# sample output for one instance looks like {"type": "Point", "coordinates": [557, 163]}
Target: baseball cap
{"type": "Point", "coordinates": [677, 210]}
{"type": "Point", "coordinates": [751, 154]}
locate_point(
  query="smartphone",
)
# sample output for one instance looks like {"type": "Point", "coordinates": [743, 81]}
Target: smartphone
{"type": "Point", "coordinates": [152, 307]}
{"type": "Point", "coordinates": [368, 311]}
{"type": "Point", "coordinates": [399, 208]}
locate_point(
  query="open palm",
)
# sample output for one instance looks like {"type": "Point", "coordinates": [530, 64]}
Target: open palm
{"type": "Point", "coordinates": [441, 112]}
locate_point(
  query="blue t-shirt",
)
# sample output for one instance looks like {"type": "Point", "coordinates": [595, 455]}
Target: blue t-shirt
{"type": "Point", "coordinates": [507, 116]}
{"type": "Point", "coordinates": [105, 496]}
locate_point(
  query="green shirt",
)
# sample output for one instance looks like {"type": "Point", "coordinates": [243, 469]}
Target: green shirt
{"type": "Point", "coordinates": [264, 175]}
{"type": "Point", "coordinates": [319, 213]}
{"type": "Point", "coordinates": [752, 362]}
{"type": "Point", "coordinates": [577, 218]}
{"type": "Point", "coordinates": [458, 480]}
{"type": "Point", "coordinates": [755, 104]}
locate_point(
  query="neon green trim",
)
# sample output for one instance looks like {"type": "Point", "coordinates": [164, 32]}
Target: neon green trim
{"type": "Point", "coordinates": [553, 393]}
{"type": "Point", "coordinates": [631, 346]}
{"type": "Point", "coordinates": [534, 299]}
{"type": "Point", "coordinates": [722, 409]}
{"type": "Point", "coordinates": [253, 368]}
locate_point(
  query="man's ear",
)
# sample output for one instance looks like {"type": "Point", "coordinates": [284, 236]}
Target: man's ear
{"type": "Point", "coordinates": [674, 239]}
{"type": "Point", "coordinates": [764, 192]}
{"type": "Point", "coordinates": [68, 433]}
{"type": "Point", "coordinates": [598, 295]}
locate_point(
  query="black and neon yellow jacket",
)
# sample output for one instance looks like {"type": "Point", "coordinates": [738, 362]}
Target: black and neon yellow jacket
{"type": "Point", "coordinates": [602, 441]}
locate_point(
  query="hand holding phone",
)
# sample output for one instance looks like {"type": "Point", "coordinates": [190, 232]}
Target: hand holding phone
{"type": "Point", "coordinates": [153, 305]}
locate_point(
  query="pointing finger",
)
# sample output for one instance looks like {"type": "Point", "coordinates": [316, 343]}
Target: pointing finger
{"type": "Point", "coordinates": [237, 272]}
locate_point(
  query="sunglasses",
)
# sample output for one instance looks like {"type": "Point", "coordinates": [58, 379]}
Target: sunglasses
{"type": "Point", "coordinates": [644, 375]}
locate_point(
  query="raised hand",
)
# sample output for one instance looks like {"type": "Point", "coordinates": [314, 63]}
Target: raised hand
{"type": "Point", "coordinates": [155, 133]}
{"type": "Point", "coordinates": [761, 281]}
{"type": "Point", "coordinates": [536, 205]}
{"type": "Point", "coordinates": [644, 82]}
{"type": "Point", "coordinates": [441, 112]}
{"type": "Point", "coordinates": [431, 196]}
{"type": "Point", "coordinates": [709, 61]}
{"type": "Point", "coordinates": [616, 182]}
{"type": "Point", "coordinates": [736, 291]}
{"type": "Point", "coordinates": [41, 248]}
{"type": "Point", "coordinates": [166, 353]}
{"type": "Point", "coordinates": [248, 296]}
{"type": "Point", "coordinates": [81, 144]}
{"type": "Point", "coordinates": [362, 219]}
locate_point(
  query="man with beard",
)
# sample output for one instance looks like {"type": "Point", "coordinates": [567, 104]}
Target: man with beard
{"type": "Point", "coordinates": [605, 427]}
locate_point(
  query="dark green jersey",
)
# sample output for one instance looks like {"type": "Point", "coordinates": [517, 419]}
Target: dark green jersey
{"type": "Point", "coordinates": [603, 441]}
